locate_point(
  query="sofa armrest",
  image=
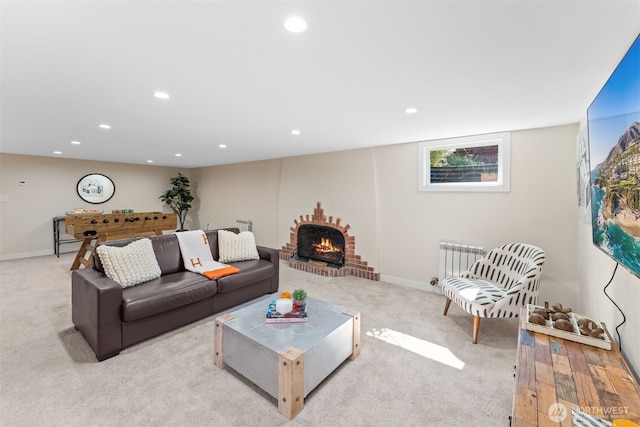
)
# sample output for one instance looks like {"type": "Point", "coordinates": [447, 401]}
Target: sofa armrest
{"type": "Point", "coordinates": [273, 256]}
{"type": "Point", "coordinates": [96, 303]}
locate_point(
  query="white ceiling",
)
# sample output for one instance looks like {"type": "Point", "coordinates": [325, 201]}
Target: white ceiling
{"type": "Point", "coordinates": [237, 77]}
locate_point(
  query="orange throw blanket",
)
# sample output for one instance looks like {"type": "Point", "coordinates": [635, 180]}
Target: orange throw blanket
{"type": "Point", "coordinates": [197, 257]}
{"type": "Point", "coordinates": [221, 272]}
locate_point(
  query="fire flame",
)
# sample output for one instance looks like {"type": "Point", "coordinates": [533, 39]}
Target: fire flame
{"type": "Point", "coordinates": [326, 246]}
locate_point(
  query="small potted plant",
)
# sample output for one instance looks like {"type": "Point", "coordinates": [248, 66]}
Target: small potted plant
{"type": "Point", "coordinates": [299, 297]}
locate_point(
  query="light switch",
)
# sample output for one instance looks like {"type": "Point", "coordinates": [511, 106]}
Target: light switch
{"type": "Point", "coordinates": [4, 197]}
{"type": "Point", "coordinates": [23, 182]}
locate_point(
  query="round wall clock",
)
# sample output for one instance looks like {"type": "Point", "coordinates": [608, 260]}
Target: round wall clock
{"type": "Point", "coordinates": [96, 188]}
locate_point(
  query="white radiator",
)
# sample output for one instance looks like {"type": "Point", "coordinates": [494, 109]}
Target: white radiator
{"type": "Point", "coordinates": [456, 258]}
{"type": "Point", "coordinates": [244, 225]}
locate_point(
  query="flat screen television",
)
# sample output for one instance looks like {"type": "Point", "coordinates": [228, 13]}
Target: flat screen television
{"type": "Point", "coordinates": [613, 122]}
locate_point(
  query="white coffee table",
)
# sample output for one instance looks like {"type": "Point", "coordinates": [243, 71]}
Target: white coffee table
{"type": "Point", "coordinates": [287, 360]}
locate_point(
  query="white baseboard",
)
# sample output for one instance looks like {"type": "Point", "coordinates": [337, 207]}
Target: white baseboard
{"type": "Point", "coordinates": [423, 286]}
{"type": "Point", "coordinates": [21, 255]}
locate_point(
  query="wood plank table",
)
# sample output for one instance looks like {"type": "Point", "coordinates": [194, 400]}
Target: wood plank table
{"type": "Point", "coordinates": [554, 375]}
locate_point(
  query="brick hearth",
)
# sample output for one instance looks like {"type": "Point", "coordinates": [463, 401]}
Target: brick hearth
{"type": "Point", "coordinates": [354, 265]}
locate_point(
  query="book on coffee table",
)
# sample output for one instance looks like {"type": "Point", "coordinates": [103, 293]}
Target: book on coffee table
{"type": "Point", "coordinates": [297, 315]}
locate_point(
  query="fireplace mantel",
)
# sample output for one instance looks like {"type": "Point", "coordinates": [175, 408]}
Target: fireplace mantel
{"type": "Point", "coordinates": [353, 265]}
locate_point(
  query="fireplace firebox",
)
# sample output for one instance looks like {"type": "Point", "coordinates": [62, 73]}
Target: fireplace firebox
{"type": "Point", "coordinates": [324, 247]}
{"type": "Point", "coordinates": [320, 243]}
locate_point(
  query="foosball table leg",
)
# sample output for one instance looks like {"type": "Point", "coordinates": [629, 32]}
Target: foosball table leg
{"type": "Point", "coordinates": [88, 247]}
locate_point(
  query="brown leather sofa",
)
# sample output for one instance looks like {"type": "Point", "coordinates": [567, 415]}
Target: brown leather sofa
{"type": "Point", "coordinates": [112, 318]}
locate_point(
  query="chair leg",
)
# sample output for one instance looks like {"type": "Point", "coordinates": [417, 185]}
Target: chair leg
{"type": "Point", "coordinates": [476, 328]}
{"type": "Point", "coordinates": [446, 306]}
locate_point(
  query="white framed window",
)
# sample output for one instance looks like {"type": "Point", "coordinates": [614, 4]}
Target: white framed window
{"type": "Point", "coordinates": [469, 163]}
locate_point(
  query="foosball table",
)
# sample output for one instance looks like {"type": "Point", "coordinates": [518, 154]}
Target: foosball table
{"type": "Point", "coordinates": [96, 228]}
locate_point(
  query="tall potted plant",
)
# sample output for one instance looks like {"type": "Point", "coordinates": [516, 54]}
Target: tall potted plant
{"type": "Point", "coordinates": [179, 198]}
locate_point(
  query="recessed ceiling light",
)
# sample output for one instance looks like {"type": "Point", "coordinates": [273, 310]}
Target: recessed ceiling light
{"type": "Point", "coordinates": [411, 110]}
{"type": "Point", "coordinates": [295, 132]}
{"type": "Point", "coordinates": [161, 95]}
{"type": "Point", "coordinates": [57, 152]}
{"type": "Point", "coordinates": [149, 161]}
{"type": "Point", "coordinates": [222, 146]}
{"type": "Point", "coordinates": [295, 24]}
{"type": "Point", "coordinates": [178, 155]}
{"type": "Point", "coordinates": [75, 142]}
{"type": "Point", "coordinates": [104, 126]}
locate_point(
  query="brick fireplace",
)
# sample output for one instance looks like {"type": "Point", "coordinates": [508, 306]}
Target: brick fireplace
{"type": "Point", "coordinates": [352, 264]}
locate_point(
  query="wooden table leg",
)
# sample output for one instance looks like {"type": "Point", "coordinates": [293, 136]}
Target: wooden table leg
{"type": "Point", "coordinates": [291, 382]}
{"type": "Point", "coordinates": [217, 340]}
{"type": "Point", "coordinates": [88, 246]}
{"type": "Point", "coordinates": [356, 333]}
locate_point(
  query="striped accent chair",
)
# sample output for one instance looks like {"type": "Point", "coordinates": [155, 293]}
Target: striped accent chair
{"type": "Point", "coordinates": [498, 284]}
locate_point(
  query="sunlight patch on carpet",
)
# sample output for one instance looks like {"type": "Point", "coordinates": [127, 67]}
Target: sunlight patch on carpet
{"type": "Point", "coordinates": [419, 346]}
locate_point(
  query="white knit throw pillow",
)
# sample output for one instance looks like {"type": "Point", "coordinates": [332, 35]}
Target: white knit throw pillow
{"type": "Point", "coordinates": [131, 264]}
{"type": "Point", "coordinates": [236, 247]}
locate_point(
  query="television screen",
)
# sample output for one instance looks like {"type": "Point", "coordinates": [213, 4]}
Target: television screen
{"type": "Point", "coordinates": [613, 121]}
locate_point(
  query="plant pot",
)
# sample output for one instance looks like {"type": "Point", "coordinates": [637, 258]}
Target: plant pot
{"type": "Point", "coordinates": [299, 302]}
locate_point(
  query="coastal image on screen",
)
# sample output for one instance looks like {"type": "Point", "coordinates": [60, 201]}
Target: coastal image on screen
{"type": "Point", "coordinates": [614, 142]}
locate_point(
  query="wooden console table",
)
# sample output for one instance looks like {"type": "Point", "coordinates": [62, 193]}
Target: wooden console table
{"type": "Point", "coordinates": [560, 374]}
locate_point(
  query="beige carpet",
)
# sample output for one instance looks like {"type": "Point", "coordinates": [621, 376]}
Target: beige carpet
{"type": "Point", "coordinates": [417, 367]}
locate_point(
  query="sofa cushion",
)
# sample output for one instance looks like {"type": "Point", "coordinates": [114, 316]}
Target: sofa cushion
{"type": "Point", "coordinates": [251, 272]}
{"type": "Point", "coordinates": [237, 247]}
{"type": "Point", "coordinates": [165, 293]}
{"type": "Point", "coordinates": [130, 265]}
{"type": "Point", "coordinates": [168, 253]}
